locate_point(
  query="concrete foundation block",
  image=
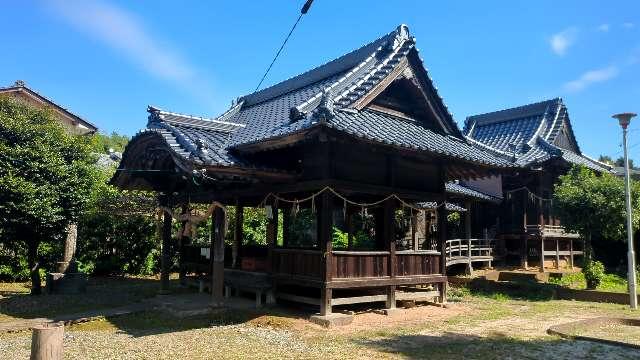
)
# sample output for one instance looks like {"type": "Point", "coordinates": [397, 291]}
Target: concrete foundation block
{"type": "Point", "coordinates": [332, 320]}
{"type": "Point", "coordinates": [388, 312]}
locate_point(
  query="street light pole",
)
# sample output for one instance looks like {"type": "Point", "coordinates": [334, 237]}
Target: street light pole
{"type": "Point", "coordinates": [624, 119]}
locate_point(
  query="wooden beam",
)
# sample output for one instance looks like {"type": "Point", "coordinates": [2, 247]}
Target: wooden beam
{"type": "Point", "coordinates": [217, 258]}
{"type": "Point", "coordinates": [358, 299]}
{"type": "Point", "coordinates": [298, 298]}
{"type": "Point", "coordinates": [343, 187]}
{"type": "Point", "coordinates": [386, 281]}
{"type": "Point", "coordinates": [416, 295]}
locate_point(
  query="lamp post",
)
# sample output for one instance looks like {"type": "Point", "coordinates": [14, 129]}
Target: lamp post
{"type": "Point", "coordinates": [624, 119]}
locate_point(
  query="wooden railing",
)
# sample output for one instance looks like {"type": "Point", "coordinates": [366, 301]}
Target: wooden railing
{"type": "Point", "coordinates": [360, 264]}
{"type": "Point", "coordinates": [413, 263]}
{"type": "Point", "coordinates": [459, 251]}
{"type": "Point", "coordinates": [298, 262]}
{"type": "Point", "coordinates": [550, 231]}
{"type": "Point", "coordinates": [375, 264]}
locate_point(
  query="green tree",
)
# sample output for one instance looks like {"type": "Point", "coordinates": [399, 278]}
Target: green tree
{"type": "Point", "coordinates": [620, 162]}
{"type": "Point", "coordinates": [117, 231]}
{"type": "Point", "coordinates": [46, 178]}
{"type": "Point", "coordinates": [103, 143]}
{"type": "Point", "coordinates": [593, 205]}
{"type": "Point", "coordinates": [605, 159]}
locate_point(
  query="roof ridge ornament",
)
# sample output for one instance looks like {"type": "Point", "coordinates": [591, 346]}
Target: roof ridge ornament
{"type": "Point", "coordinates": [325, 110]}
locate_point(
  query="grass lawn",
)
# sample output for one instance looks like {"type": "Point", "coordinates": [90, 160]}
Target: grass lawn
{"type": "Point", "coordinates": [474, 326]}
{"type": "Point", "coordinates": [610, 282]}
{"type": "Point", "coordinates": [16, 303]}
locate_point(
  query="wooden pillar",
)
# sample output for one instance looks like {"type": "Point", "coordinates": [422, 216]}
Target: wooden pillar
{"type": "Point", "coordinates": [525, 246]}
{"type": "Point", "coordinates": [467, 231]}
{"type": "Point", "coordinates": [217, 257]}
{"type": "Point", "coordinates": [286, 227]}
{"type": "Point", "coordinates": [541, 253]}
{"type": "Point", "coordinates": [557, 253]}
{"type": "Point", "coordinates": [571, 253]}
{"type": "Point", "coordinates": [325, 225]}
{"type": "Point", "coordinates": [237, 235]}
{"type": "Point", "coordinates": [272, 236]}
{"type": "Point", "coordinates": [349, 225]}
{"type": "Point", "coordinates": [165, 260]}
{"type": "Point", "coordinates": [390, 242]}
{"type": "Point", "coordinates": [184, 239]}
{"type": "Point", "coordinates": [442, 235]}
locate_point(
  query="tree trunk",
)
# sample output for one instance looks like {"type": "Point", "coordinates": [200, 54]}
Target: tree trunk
{"type": "Point", "coordinates": [34, 267]}
{"type": "Point", "coordinates": [69, 248]}
{"type": "Point", "coordinates": [588, 250]}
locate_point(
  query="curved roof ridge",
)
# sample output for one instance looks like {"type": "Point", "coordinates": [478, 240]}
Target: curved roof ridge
{"type": "Point", "coordinates": [603, 164]}
{"type": "Point", "coordinates": [512, 113]}
{"type": "Point", "coordinates": [314, 100]}
{"type": "Point", "coordinates": [332, 67]}
{"type": "Point", "coordinates": [173, 118]}
{"type": "Point", "coordinates": [489, 148]}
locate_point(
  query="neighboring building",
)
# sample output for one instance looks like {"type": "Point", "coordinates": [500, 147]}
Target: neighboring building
{"type": "Point", "coordinates": [539, 139]}
{"type": "Point", "coordinates": [71, 121]}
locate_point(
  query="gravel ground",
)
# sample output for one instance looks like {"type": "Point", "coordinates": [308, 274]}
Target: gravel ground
{"type": "Point", "coordinates": [474, 327]}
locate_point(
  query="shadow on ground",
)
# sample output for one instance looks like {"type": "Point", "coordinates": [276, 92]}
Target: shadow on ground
{"type": "Point", "coordinates": [496, 346]}
{"type": "Point", "coordinates": [516, 290]}
{"type": "Point", "coordinates": [154, 322]}
{"type": "Point", "coordinates": [102, 292]}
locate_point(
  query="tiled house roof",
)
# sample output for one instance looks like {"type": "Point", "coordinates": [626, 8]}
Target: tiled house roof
{"type": "Point", "coordinates": [327, 96]}
{"type": "Point", "coordinates": [530, 134]}
{"type": "Point", "coordinates": [19, 87]}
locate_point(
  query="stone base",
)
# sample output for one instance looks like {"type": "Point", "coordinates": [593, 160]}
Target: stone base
{"type": "Point", "coordinates": [332, 320]}
{"type": "Point", "coordinates": [69, 283]}
{"type": "Point", "coordinates": [388, 312]}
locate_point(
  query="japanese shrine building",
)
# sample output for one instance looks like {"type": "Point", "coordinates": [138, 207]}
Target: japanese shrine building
{"type": "Point", "coordinates": [361, 147]}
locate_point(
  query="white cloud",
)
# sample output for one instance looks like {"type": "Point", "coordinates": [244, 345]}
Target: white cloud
{"type": "Point", "coordinates": [591, 77]}
{"type": "Point", "coordinates": [124, 32]}
{"type": "Point", "coordinates": [561, 41]}
{"type": "Point", "coordinates": [603, 27]}
{"type": "Point", "coordinates": [628, 25]}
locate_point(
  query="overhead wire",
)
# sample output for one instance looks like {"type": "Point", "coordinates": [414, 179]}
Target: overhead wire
{"type": "Point", "coordinates": [303, 11]}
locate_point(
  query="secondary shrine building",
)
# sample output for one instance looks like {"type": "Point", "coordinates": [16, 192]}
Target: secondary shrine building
{"type": "Point", "coordinates": [539, 140]}
{"type": "Point", "coordinates": [356, 164]}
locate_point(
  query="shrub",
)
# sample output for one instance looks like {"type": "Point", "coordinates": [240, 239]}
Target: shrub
{"type": "Point", "coordinates": [593, 273]}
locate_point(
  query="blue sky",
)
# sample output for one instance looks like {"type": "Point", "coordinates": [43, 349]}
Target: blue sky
{"type": "Point", "coordinates": [107, 60]}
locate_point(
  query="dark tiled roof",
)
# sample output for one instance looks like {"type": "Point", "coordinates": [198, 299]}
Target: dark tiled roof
{"type": "Point", "coordinates": [433, 205]}
{"type": "Point", "coordinates": [530, 134]}
{"type": "Point", "coordinates": [323, 96]}
{"type": "Point", "coordinates": [387, 129]}
{"type": "Point", "coordinates": [457, 188]}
